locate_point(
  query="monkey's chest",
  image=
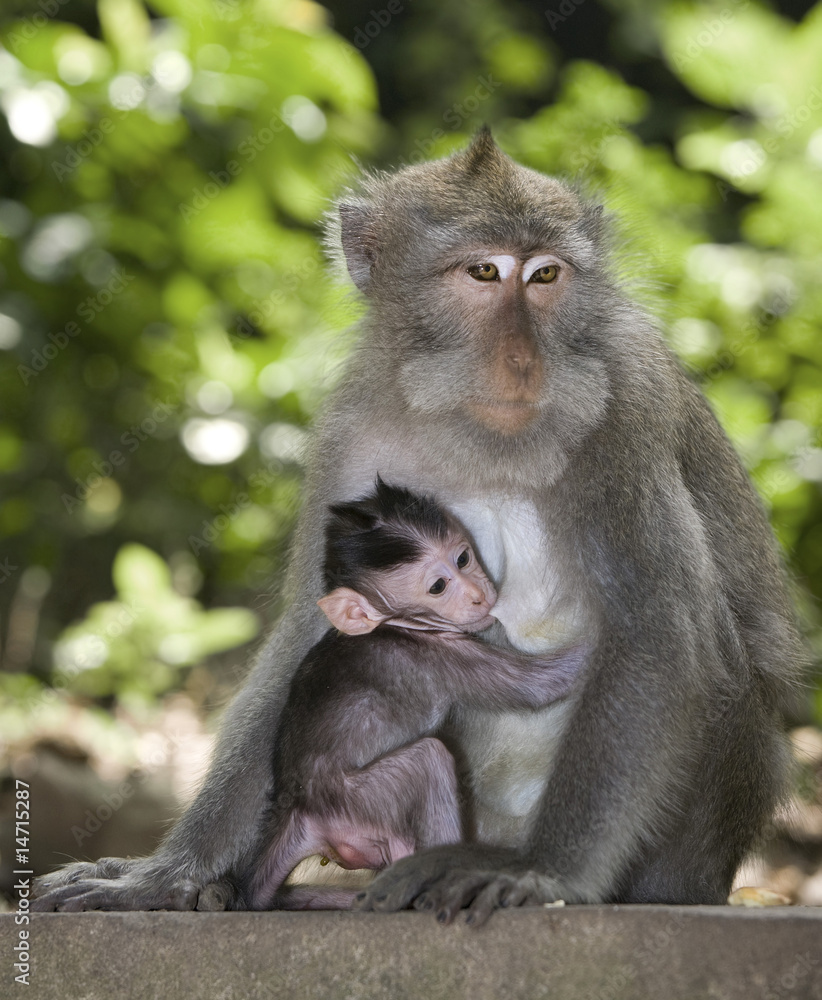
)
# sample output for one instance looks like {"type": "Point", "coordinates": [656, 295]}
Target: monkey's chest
{"type": "Point", "coordinates": [536, 605]}
{"type": "Point", "coordinates": [510, 755]}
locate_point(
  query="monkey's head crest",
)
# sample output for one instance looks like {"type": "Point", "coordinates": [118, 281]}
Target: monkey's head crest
{"type": "Point", "coordinates": [394, 220]}
{"type": "Point", "coordinates": [482, 154]}
{"type": "Point", "coordinates": [387, 527]}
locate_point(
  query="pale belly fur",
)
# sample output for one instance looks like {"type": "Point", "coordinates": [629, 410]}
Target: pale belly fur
{"type": "Point", "coordinates": [510, 753]}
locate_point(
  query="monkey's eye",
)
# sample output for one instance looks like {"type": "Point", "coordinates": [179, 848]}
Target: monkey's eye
{"type": "Point", "coordinates": [484, 272]}
{"type": "Point", "coordinates": [437, 588]}
{"type": "Point", "coordinates": [544, 275]}
{"type": "Point", "coordinates": [463, 559]}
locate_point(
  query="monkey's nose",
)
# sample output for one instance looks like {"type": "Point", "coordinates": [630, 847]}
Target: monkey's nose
{"type": "Point", "coordinates": [520, 362]}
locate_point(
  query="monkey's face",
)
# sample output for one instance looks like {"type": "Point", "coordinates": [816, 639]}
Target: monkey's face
{"type": "Point", "coordinates": [508, 299]}
{"type": "Point", "coordinates": [488, 295]}
{"type": "Point", "coordinates": [446, 586]}
{"type": "Point", "coordinates": [504, 340]}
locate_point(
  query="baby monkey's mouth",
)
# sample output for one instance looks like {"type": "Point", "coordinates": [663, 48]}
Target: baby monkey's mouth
{"type": "Point", "coordinates": [480, 625]}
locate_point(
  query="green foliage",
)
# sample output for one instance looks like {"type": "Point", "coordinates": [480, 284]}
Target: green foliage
{"type": "Point", "coordinates": [166, 322]}
{"type": "Point", "coordinates": [167, 327]}
{"type": "Point", "coordinates": [135, 645]}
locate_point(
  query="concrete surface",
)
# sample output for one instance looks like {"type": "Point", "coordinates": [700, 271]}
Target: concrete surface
{"type": "Point", "coordinates": [579, 953]}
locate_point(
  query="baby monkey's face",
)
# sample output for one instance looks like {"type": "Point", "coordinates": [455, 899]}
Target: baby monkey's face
{"type": "Point", "coordinates": [446, 585]}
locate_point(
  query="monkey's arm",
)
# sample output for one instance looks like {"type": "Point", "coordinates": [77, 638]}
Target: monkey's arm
{"type": "Point", "coordinates": [217, 833]}
{"type": "Point", "coordinates": [487, 677]}
{"type": "Point", "coordinates": [744, 548]}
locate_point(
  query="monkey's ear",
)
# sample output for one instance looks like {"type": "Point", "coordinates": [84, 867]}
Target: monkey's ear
{"type": "Point", "coordinates": [359, 241]}
{"type": "Point", "coordinates": [350, 612]}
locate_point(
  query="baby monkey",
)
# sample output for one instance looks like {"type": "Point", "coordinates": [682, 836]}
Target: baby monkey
{"type": "Point", "coordinates": [359, 775]}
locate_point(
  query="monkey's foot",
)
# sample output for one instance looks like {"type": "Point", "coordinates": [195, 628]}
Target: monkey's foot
{"type": "Point", "coordinates": [118, 884]}
{"type": "Point", "coordinates": [107, 868]}
{"type": "Point", "coordinates": [444, 881]}
{"type": "Point", "coordinates": [221, 895]}
{"type": "Point", "coordinates": [484, 892]}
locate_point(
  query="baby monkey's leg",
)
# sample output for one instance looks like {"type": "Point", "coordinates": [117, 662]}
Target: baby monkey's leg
{"type": "Point", "coordinates": [410, 795]}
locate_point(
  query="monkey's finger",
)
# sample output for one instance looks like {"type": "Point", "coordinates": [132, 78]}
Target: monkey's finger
{"type": "Point", "coordinates": [100, 894]}
{"type": "Point", "coordinates": [97, 899]}
{"type": "Point", "coordinates": [388, 899]}
{"type": "Point", "coordinates": [113, 867]}
{"type": "Point", "coordinates": [393, 889]}
{"type": "Point", "coordinates": [108, 899]}
{"type": "Point", "coordinates": [434, 895]}
{"type": "Point", "coordinates": [425, 902]}
{"type": "Point", "coordinates": [486, 902]}
{"type": "Point", "coordinates": [53, 899]}
{"type": "Point", "coordinates": [80, 871]}
{"type": "Point", "coordinates": [454, 897]}
{"type": "Point", "coordinates": [515, 895]}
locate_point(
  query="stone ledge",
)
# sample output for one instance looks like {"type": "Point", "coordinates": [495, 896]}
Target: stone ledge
{"type": "Point", "coordinates": [575, 952]}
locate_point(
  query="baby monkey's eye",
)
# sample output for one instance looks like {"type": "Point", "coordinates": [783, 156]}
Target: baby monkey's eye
{"type": "Point", "coordinates": [463, 559]}
{"type": "Point", "coordinates": [544, 275]}
{"type": "Point", "coordinates": [484, 272]}
{"type": "Point", "coordinates": [437, 588]}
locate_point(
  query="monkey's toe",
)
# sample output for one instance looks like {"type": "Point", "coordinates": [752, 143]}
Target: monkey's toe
{"type": "Point", "coordinates": [217, 896]}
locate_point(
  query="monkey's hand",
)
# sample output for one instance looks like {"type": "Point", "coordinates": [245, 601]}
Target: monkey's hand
{"type": "Point", "coordinates": [444, 880]}
{"type": "Point", "coordinates": [124, 884]}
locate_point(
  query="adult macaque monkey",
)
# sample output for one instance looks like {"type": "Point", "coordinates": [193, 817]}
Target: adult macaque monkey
{"type": "Point", "coordinates": [359, 774]}
{"type": "Point", "coordinates": [502, 370]}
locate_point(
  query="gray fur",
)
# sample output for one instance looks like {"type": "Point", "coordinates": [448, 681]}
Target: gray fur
{"type": "Point", "coordinates": [651, 544]}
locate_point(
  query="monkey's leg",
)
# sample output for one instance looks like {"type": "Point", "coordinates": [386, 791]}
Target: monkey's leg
{"type": "Point", "coordinates": [697, 862]}
{"type": "Point", "coordinates": [411, 794]}
{"type": "Point", "coordinates": [397, 804]}
{"type": "Point", "coordinates": [297, 837]}
{"type": "Point", "coordinates": [220, 829]}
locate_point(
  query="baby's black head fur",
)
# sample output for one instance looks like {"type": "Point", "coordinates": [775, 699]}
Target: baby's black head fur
{"type": "Point", "coordinates": [385, 529]}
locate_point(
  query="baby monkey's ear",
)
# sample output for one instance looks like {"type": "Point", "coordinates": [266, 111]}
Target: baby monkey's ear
{"type": "Point", "coordinates": [350, 612]}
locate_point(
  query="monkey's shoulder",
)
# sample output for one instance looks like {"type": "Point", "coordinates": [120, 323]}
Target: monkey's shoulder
{"type": "Point", "coordinates": [388, 657]}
